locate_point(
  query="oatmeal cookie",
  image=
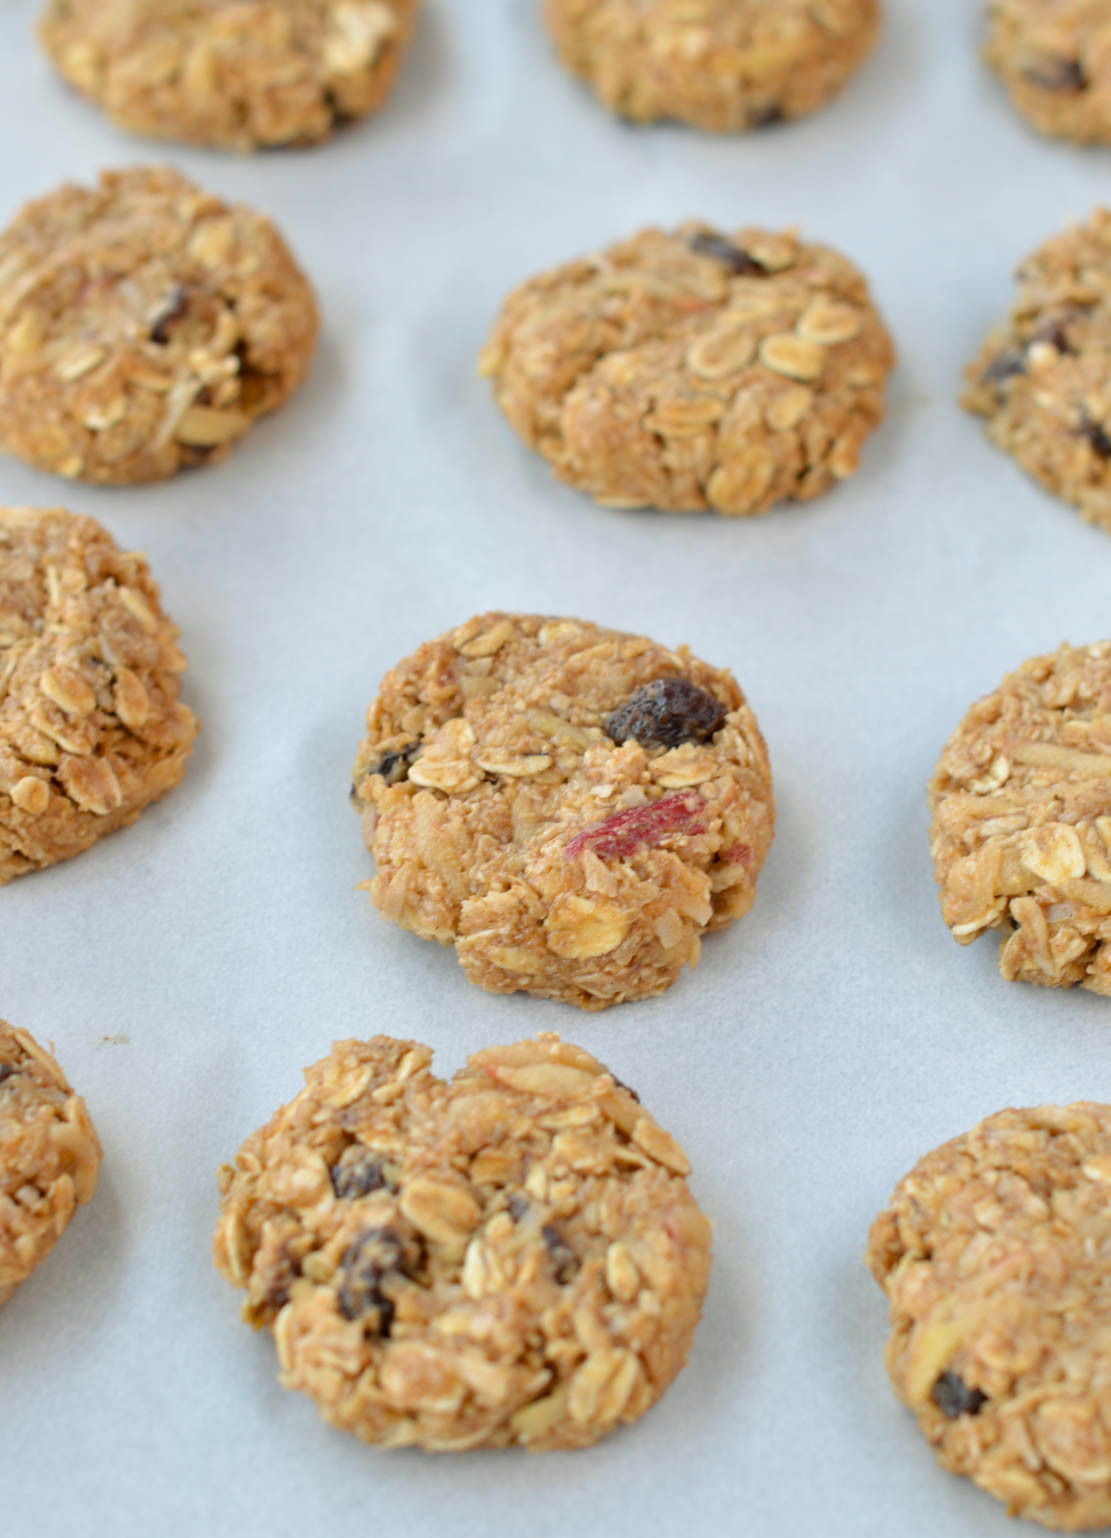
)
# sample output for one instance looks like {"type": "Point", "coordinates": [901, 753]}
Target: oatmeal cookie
{"type": "Point", "coordinates": [692, 370]}
{"type": "Point", "coordinates": [1021, 830]}
{"type": "Point", "coordinates": [232, 74]}
{"type": "Point", "coordinates": [91, 728]}
{"type": "Point", "coordinates": [144, 325]}
{"type": "Point", "coordinates": [993, 1255]}
{"type": "Point", "coordinates": [570, 807]}
{"type": "Point", "coordinates": [509, 1258]}
{"type": "Point", "coordinates": [1054, 57]}
{"type": "Point", "coordinates": [1043, 380]}
{"type": "Point", "coordinates": [720, 65]}
{"type": "Point", "coordinates": [49, 1155]}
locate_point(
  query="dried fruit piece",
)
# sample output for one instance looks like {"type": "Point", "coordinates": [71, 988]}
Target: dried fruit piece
{"type": "Point", "coordinates": [1057, 75]}
{"type": "Point", "coordinates": [377, 1254]}
{"type": "Point", "coordinates": [640, 826]}
{"type": "Point", "coordinates": [704, 243]}
{"type": "Point", "coordinates": [665, 713]}
{"type": "Point", "coordinates": [358, 1172]}
{"type": "Point", "coordinates": [953, 1396]}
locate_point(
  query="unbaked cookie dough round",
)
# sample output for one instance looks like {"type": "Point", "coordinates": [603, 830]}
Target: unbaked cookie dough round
{"type": "Point", "coordinates": [144, 326]}
{"type": "Point", "coordinates": [993, 1255]}
{"type": "Point", "coordinates": [570, 807]}
{"type": "Point", "coordinates": [511, 1257]}
{"type": "Point", "coordinates": [1021, 830]}
{"type": "Point", "coordinates": [1042, 380]}
{"type": "Point", "coordinates": [720, 65]}
{"type": "Point", "coordinates": [49, 1155]}
{"type": "Point", "coordinates": [1054, 57]}
{"type": "Point", "coordinates": [91, 726]}
{"type": "Point", "coordinates": [687, 370]}
{"type": "Point", "coordinates": [231, 74]}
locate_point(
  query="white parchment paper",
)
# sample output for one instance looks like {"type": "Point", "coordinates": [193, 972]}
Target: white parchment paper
{"type": "Point", "coordinates": [186, 969]}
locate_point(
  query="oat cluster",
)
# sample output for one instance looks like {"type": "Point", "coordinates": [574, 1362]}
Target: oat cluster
{"type": "Point", "coordinates": [1042, 379]}
{"type": "Point", "coordinates": [91, 727]}
{"type": "Point", "coordinates": [511, 813]}
{"type": "Point", "coordinates": [721, 65]}
{"type": "Point", "coordinates": [511, 1257]}
{"type": "Point", "coordinates": [1054, 57]}
{"type": "Point", "coordinates": [1021, 831]}
{"type": "Point", "coordinates": [232, 74]}
{"type": "Point", "coordinates": [144, 326]}
{"type": "Point", "coordinates": [49, 1155]}
{"type": "Point", "coordinates": [691, 370]}
{"type": "Point", "coordinates": [993, 1255]}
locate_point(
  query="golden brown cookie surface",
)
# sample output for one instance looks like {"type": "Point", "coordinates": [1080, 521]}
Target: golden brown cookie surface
{"type": "Point", "coordinates": [509, 1257]}
{"type": "Point", "coordinates": [1043, 380]}
{"type": "Point", "coordinates": [49, 1155]}
{"type": "Point", "coordinates": [233, 74]}
{"type": "Point", "coordinates": [720, 65]}
{"type": "Point", "coordinates": [144, 326]}
{"type": "Point", "coordinates": [687, 370]}
{"type": "Point", "coordinates": [1021, 830]}
{"type": "Point", "coordinates": [1054, 57]}
{"type": "Point", "coordinates": [91, 727]}
{"type": "Point", "coordinates": [570, 807]}
{"type": "Point", "coordinates": [993, 1255]}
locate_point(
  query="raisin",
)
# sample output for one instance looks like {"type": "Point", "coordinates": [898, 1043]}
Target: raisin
{"type": "Point", "coordinates": [953, 1396]}
{"type": "Point", "coordinates": [666, 712]}
{"type": "Point", "coordinates": [394, 765]}
{"type": "Point", "coordinates": [1011, 361]}
{"type": "Point", "coordinates": [358, 1172]}
{"type": "Point", "coordinates": [1053, 332]}
{"type": "Point", "coordinates": [367, 1261]}
{"type": "Point", "coordinates": [626, 832]}
{"type": "Point", "coordinates": [1058, 75]}
{"type": "Point", "coordinates": [516, 1206]}
{"type": "Point", "coordinates": [739, 262]}
{"type": "Point", "coordinates": [1097, 437]}
{"type": "Point", "coordinates": [565, 1263]}
{"type": "Point", "coordinates": [173, 308]}
{"type": "Point", "coordinates": [6, 1071]}
{"type": "Point", "coordinates": [769, 116]}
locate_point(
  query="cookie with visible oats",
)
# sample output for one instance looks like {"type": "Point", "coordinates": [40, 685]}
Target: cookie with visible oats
{"type": "Point", "coordinates": [692, 370]}
{"type": "Point", "coordinates": [232, 74]}
{"type": "Point", "coordinates": [144, 326]}
{"type": "Point", "coordinates": [721, 65]}
{"type": "Point", "coordinates": [1043, 380]}
{"type": "Point", "coordinates": [91, 727]}
{"type": "Point", "coordinates": [511, 1257]}
{"type": "Point", "coordinates": [49, 1155]}
{"type": "Point", "coordinates": [993, 1256]}
{"type": "Point", "coordinates": [1054, 57]}
{"type": "Point", "coordinates": [570, 807]}
{"type": "Point", "coordinates": [1021, 830]}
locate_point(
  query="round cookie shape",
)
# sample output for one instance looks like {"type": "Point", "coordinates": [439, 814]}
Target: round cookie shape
{"type": "Point", "coordinates": [512, 1257]}
{"type": "Point", "coordinates": [1021, 820]}
{"type": "Point", "coordinates": [144, 326]}
{"type": "Point", "coordinates": [993, 1256]}
{"type": "Point", "coordinates": [1054, 57]}
{"type": "Point", "coordinates": [230, 74]}
{"type": "Point", "coordinates": [91, 727]}
{"type": "Point", "coordinates": [688, 370]}
{"type": "Point", "coordinates": [720, 65]}
{"type": "Point", "coordinates": [49, 1155]}
{"type": "Point", "coordinates": [565, 844]}
{"type": "Point", "coordinates": [1041, 380]}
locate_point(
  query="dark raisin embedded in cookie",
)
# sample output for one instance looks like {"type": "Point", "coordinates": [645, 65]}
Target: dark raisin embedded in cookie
{"type": "Point", "coordinates": [1057, 75]}
{"type": "Point", "coordinates": [739, 262]}
{"type": "Point", "coordinates": [375, 1255]}
{"type": "Point", "coordinates": [665, 713]}
{"type": "Point", "coordinates": [358, 1172]}
{"type": "Point", "coordinates": [953, 1396]}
